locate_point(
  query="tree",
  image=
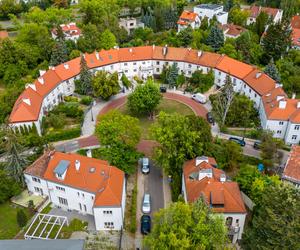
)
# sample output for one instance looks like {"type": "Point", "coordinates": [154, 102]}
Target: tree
{"type": "Point", "coordinates": [172, 75]}
{"type": "Point", "coordinates": [9, 187]}
{"type": "Point", "coordinates": [272, 71]}
{"type": "Point", "coordinates": [261, 23]}
{"type": "Point", "coordinates": [238, 16]}
{"type": "Point", "coordinates": [105, 85]}
{"type": "Point", "coordinates": [276, 221]}
{"type": "Point", "coordinates": [59, 33]}
{"type": "Point", "coordinates": [61, 3]}
{"type": "Point", "coordinates": [221, 102]}
{"type": "Point", "coordinates": [21, 218]}
{"type": "Point", "coordinates": [215, 38]}
{"type": "Point", "coordinates": [14, 153]}
{"type": "Point", "coordinates": [185, 36]}
{"type": "Point", "coordinates": [84, 84]}
{"type": "Point", "coordinates": [59, 53]}
{"type": "Point", "coordinates": [90, 39]}
{"type": "Point", "coordinates": [180, 138]}
{"type": "Point", "coordinates": [107, 40]}
{"type": "Point", "coordinates": [145, 99]}
{"type": "Point", "coordinates": [277, 40]}
{"type": "Point", "coordinates": [229, 4]}
{"type": "Point", "coordinates": [125, 81]}
{"type": "Point", "coordinates": [119, 135]}
{"type": "Point", "coordinates": [202, 82]}
{"type": "Point", "coordinates": [187, 226]}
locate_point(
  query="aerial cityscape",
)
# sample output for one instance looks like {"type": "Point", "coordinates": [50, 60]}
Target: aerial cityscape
{"type": "Point", "coordinates": [149, 124]}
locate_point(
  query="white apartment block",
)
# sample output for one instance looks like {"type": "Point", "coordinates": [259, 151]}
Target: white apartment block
{"type": "Point", "coordinates": [130, 24]}
{"type": "Point", "coordinates": [211, 10]}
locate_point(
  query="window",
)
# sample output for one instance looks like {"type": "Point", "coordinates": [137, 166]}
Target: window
{"type": "Point", "coordinates": [78, 194]}
{"type": "Point", "coordinates": [67, 82]}
{"type": "Point", "coordinates": [234, 80]}
{"type": "Point", "coordinates": [60, 188]}
{"type": "Point", "coordinates": [219, 73]}
{"type": "Point", "coordinates": [255, 95]}
{"type": "Point", "coordinates": [92, 197]}
{"type": "Point", "coordinates": [250, 90]}
{"type": "Point", "coordinates": [297, 127]}
{"type": "Point", "coordinates": [59, 176]}
{"type": "Point", "coordinates": [157, 70]}
{"type": "Point", "coordinates": [280, 123]}
{"type": "Point", "coordinates": [229, 221]}
{"type": "Point", "coordinates": [107, 212]}
{"type": "Point", "coordinates": [167, 63]}
{"type": "Point", "coordinates": [36, 179]}
{"type": "Point", "coordinates": [111, 67]}
{"type": "Point", "coordinates": [294, 137]}
{"type": "Point", "coordinates": [189, 72]}
{"type": "Point", "coordinates": [126, 71]}
{"type": "Point", "coordinates": [125, 64]}
{"type": "Point", "coordinates": [157, 63]}
{"type": "Point", "coordinates": [219, 80]}
{"type": "Point", "coordinates": [63, 201]}
{"type": "Point", "coordinates": [237, 221]}
{"type": "Point", "coordinates": [143, 62]}
{"type": "Point", "coordinates": [84, 208]}
{"type": "Point", "coordinates": [278, 131]}
{"type": "Point", "coordinates": [244, 86]}
{"type": "Point", "coordinates": [134, 63]}
{"type": "Point", "coordinates": [82, 195]}
{"type": "Point", "coordinates": [134, 70]}
{"type": "Point", "coordinates": [190, 66]}
{"type": "Point", "coordinates": [38, 190]}
{"type": "Point", "coordinates": [198, 67]}
{"type": "Point", "coordinates": [108, 225]}
{"type": "Point", "coordinates": [80, 206]}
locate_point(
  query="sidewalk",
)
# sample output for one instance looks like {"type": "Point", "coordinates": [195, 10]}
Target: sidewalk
{"type": "Point", "coordinates": [167, 191]}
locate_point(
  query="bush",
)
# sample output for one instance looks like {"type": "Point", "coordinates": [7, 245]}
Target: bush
{"type": "Point", "coordinates": [70, 109]}
{"type": "Point", "coordinates": [175, 186]}
{"type": "Point", "coordinates": [132, 227]}
{"type": "Point", "coordinates": [70, 99]}
{"type": "Point", "coordinates": [86, 100]}
{"type": "Point", "coordinates": [65, 134]}
{"type": "Point", "coordinates": [56, 121]}
{"type": "Point", "coordinates": [21, 218]}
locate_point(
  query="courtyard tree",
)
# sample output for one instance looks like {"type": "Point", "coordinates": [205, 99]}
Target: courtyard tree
{"type": "Point", "coordinates": [187, 226]}
{"type": "Point", "coordinates": [84, 84]}
{"type": "Point", "coordinates": [215, 38]}
{"type": "Point", "coordinates": [8, 186]}
{"type": "Point", "coordinates": [172, 75]}
{"type": "Point", "coordinates": [272, 71]}
{"type": "Point", "coordinates": [222, 101]}
{"type": "Point", "coordinates": [119, 134]}
{"type": "Point", "coordinates": [125, 81]}
{"type": "Point", "coordinates": [59, 53]}
{"type": "Point", "coordinates": [107, 40]}
{"type": "Point", "coordinates": [276, 221]}
{"type": "Point", "coordinates": [21, 218]}
{"type": "Point", "coordinates": [145, 99]}
{"type": "Point", "coordinates": [202, 82]}
{"type": "Point", "coordinates": [105, 85]}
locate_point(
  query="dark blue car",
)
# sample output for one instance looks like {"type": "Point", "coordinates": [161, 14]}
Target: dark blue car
{"type": "Point", "coordinates": [241, 142]}
{"type": "Point", "coordinates": [145, 224]}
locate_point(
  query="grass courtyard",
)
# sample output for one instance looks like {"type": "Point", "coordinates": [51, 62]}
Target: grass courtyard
{"type": "Point", "coordinates": [166, 105]}
{"type": "Point", "coordinates": [8, 220]}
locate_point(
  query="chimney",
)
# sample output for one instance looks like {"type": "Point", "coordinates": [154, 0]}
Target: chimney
{"type": "Point", "coordinates": [201, 159]}
{"type": "Point", "coordinates": [189, 49]}
{"type": "Point", "coordinates": [282, 104]}
{"type": "Point", "coordinates": [66, 66]}
{"type": "Point", "coordinates": [278, 85]}
{"type": "Point", "coordinates": [41, 80]}
{"type": "Point", "coordinates": [199, 53]}
{"type": "Point", "coordinates": [27, 101]}
{"type": "Point", "coordinates": [279, 97]}
{"type": "Point", "coordinates": [42, 72]}
{"type": "Point", "coordinates": [97, 55]}
{"type": "Point", "coordinates": [52, 67]}
{"type": "Point", "coordinates": [293, 96]}
{"type": "Point", "coordinates": [153, 46]}
{"type": "Point", "coordinates": [298, 104]}
{"type": "Point", "coordinates": [130, 50]}
{"type": "Point", "coordinates": [257, 75]}
{"type": "Point", "coordinates": [222, 178]}
{"type": "Point", "coordinates": [165, 50]}
{"type": "Point", "coordinates": [77, 165]}
{"type": "Point", "coordinates": [89, 153]}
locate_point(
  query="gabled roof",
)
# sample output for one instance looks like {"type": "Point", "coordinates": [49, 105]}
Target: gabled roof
{"type": "Point", "coordinates": [212, 189]}
{"type": "Point", "coordinates": [232, 29]}
{"type": "Point", "coordinates": [94, 176]}
{"type": "Point", "coordinates": [255, 11]}
{"type": "Point", "coordinates": [69, 29]}
{"type": "Point", "coordinates": [295, 22]}
{"type": "Point", "coordinates": [234, 67]}
{"type": "Point", "coordinates": [292, 168]}
{"type": "Point", "coordinates": [187, 17]}
{"type": "Point", "coordinates": [260, 82]}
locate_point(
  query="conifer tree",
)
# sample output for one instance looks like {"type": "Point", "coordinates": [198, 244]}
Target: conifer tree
{"type": "Point", "coordinates": [84, 84]}
{"type": "Point", "coordinates": [215, 38]}
{"type": "Point", "coordinates": [272, 71]}
{"type": "Point", "coordinates": [21, 218]}
{"type": "Point", "coordinates": [172, 75]}
{"type": "Point", "coordinates": [59, 33]}
{"type": "Point", "coordinates": [59, 53]}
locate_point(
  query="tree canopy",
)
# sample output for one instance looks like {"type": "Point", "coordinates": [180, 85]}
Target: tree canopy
{"type": "Point", "coordinates": [105, 85]}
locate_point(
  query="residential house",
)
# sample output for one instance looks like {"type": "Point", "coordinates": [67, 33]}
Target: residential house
{"type": "Point", "coordinates": [295, 26]}
{"type": "Point", "coordinates": [291, 171]}
{"type": "Point", "coordinates": [86, 185]}
{"type": "Point", "coordinates": [274, 14]}
{"type": "Point", "coordinates": [130, 24]}
{"type": "Point", "coordinates": [202, 178]}
{"type": "Point", "coordinates": [232, 31]}
{"type": "Point", "coordinates": [211, 10]}
{"type": "Point", "coordinates": [186, 19]}
{"type": "Point", "coordinates": [70, 30]}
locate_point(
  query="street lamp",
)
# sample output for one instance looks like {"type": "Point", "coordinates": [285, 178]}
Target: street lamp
{"type": "Point", "coordinates": [93, 104]}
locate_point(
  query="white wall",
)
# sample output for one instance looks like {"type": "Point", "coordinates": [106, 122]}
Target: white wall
{"type": "Point", "coordinates": [31, 184]}
{"type": "Point", "coordinates": [238, 220]}
{"type": "Point", "coordinates": [292, 133]}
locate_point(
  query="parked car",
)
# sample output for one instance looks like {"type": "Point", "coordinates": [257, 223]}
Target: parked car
{"type": "Point", "coordinates": [145, 224]}
{"type": "Point", "coordinates": [210, 118]}
{"type": "Point", "coordinates": [257, 145]}
{"type": "Point", "coordinates": [241, 142]}
{"type": "Point", "coordinates": [145, 165]}
{"type": "Point", "coordinates": [146, 206]}
{"type": "Point", "coordinates": [199, 98]}
{"type": "Point", "coordinates": [163, 89]}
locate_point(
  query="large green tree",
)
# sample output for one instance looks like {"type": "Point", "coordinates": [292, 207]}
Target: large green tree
{"type": "Point", "coordinates": [59, 53]}
{"type": "Point", "coordinates": [215, 38]}
{"type": "Point", "coordinates": [202, 82]}
{"type": "Point", "coordinates": [105, 85]}
{"type": "Point", "coordinates": [9, 187]}
{"type": "Point", "coordinates": [145, 99]}
{"type": "Point", "coordinates": [276, 221]}
{"type": "Point", "coordinates": [107, 40]}
{"type": "Point", "coordinates": [172, 75]}
{"type": "Point", "coordinates": [119, 135]}
{"type": "Point", "coordinates": [272, 71]}
{"type": "Point", "coordinates": [84, 84]}
{"type": "Point", "coordinates": [187, 226]}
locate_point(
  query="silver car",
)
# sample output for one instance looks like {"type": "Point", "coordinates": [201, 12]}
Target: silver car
{"type": "Point", "coordinates": [145, 165]}
{"type": "Point", "coordinates": [146, 206]}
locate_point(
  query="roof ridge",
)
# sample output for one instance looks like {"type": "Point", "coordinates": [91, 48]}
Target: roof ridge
{"type": "Point", "coordinates": [242, 206]}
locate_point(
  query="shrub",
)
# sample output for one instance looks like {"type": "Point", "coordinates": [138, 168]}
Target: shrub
{"type": "Point", "coordinates": [132, 227]}
{"type": "Point", "coordinates": [63, 135]}
{"type": "Point", "coordinates": [70, 99]}
{"type": "Point", "coordinates": [86, 100]}
{"type": "Point", "coordinates": [70, 109]}
{"type": "Point", "coordinates": [56, 121]}
{"type": "Point", "coordinates": [21, 218]}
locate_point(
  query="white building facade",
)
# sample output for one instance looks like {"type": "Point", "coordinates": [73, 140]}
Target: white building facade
{"type": "Point", "coordinates": [211, 10]}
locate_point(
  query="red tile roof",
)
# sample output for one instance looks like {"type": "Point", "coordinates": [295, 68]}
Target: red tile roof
{"type": "Point", "coordinates": [214, 191]}
{"type": "Point", "coordinates": [255, 11]}
{"type": "Point", "coordinates": [187, 17]}
{"type": "Point", "coordinates": [106, 181]}
{"type": "Point", "coordinates": [3, 34]}
{"type": "Point", "coordinates": [232, 29]}
{"type": "Point", "coordinates": [295, 22]}
{"type": "Point", "coordinates": [292, 168]}
{"type": "Point", "coordinates": [69, 29]}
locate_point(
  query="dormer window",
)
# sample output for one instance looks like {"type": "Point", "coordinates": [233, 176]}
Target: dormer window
{"type": "Point", "coordinates": [61, 169]}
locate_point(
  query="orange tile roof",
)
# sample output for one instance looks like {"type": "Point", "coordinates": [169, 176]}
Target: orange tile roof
{"type": "Point", "coordinates": [106, 182]}
{"type": "Point", "coordinates": [70, 29]}
{"type": "Point", "coordinates": [47, 82]}
{"type": "Point", "coordinates": [292, 168]}
{"type": "Point", "coordinates": [3, 34]}
{"type": "Point", "coordinates": [260, 82]}
{"type": "Point", "coordinates": [234, 67]}
{"type": "Point", "coordinates": [188, 15]}
{"type": "Point", "coordinates": [255, 11]}
{"type": "Point", "coordinates": [135, 54]}
{"type": "Point", "coordinates": [212, 189]}
{"type": "Point", "coordinates": [68, 69]}
{"type": "Point", "coordinates": [296, 37]}
{"type": "Point", "coordinates": [232, 29]}
{"type": "Point", "coordinates": [295, 22]}
{"type": "Point", "coordinates": [39, 167]}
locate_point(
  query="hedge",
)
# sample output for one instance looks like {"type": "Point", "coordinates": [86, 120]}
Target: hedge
{"type": "Point", "coordinates": [63, 134]}
{"type": "Point", "coordinates": [132, 226]}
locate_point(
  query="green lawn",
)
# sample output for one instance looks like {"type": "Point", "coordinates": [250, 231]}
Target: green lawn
{"type": "Point", "coordinates": [166, 105]}
{"type": "Point", "coordinates": [8, 220]}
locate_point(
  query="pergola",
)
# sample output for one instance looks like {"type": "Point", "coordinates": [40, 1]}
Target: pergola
{"type": "Point", "coordinates": [45, 225]}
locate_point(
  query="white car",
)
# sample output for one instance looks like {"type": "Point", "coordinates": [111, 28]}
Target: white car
{"type": "Point", "coordinates": [199, 98]}
{"type": "Point", "coordinates": [146, 206]}
{"type": "Point", "coordinates": [145, 165]}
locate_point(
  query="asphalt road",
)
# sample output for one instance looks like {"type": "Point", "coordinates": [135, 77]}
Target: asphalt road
{"type": "Point", "coordinates": [154, 186]}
